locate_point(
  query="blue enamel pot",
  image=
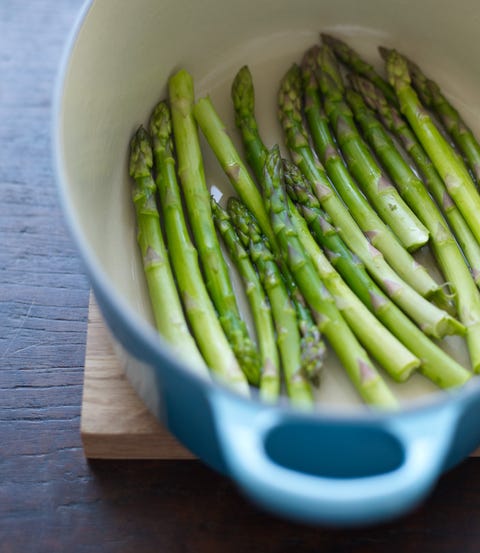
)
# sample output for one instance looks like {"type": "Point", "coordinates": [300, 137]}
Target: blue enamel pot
{"type": "Point", "coordinates": [341, 464]}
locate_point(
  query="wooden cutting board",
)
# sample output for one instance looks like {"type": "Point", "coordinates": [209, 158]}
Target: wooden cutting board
{"type": "Point", "coordinates": [115, 424]}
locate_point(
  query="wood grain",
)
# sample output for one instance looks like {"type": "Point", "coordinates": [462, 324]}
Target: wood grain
{"type": "Point", "coordinates": [115, 424]}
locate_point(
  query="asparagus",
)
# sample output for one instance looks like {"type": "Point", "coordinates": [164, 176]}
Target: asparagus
{"type": "Point", "coordinates": [243, 97]}
{"type": "Point", "coordinates": [450, 168]}
{"type": "Point", "coordinates": [223, 147]}
{"type": "Point", "coordinates": [215, 132]}
{"type": "Point", "coordinates": [397, 125]}
{"type": "Point", "coordinates": [432, 97]}
{"type": "Point", "coordinates": [167, 308]}
{"type": "Point", "coordinates": [260, 308]}
{"type": "Point", "coordinates": [361, 163]}
{"type": "Point", "coordinates": [444, 245]}
{"type": "Point", "coordinates": [312, 346]}
{"type": "Point", "coordinates": [197, 199]}
{"type": "Point", "coordinates": [362, 373]}
{"type": "Point", "coordinates": [297, 385]}
{"type": "Point", "coordinates": [431, 319]}
{"type": "Point", "coordinates": [379, 234]}
{"type": "Point", "coordinates": [352, 60]}
{"type": "Point", "coordinates": [199, 309]}
{"type": "Point", "coordinates": [435, 364]}
{"type": "Point", "coordinates": [380, 343]}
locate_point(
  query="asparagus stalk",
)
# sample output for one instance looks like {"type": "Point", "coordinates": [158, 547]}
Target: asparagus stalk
{"type": "Point", "coordinates": [353, 357]}
{"type": "Point", "coordinates": [450, 168]}
{"type": "Point", "coordinates": [437, 366]}
{"type": "Point", "coordinates": [379, 234]}
{"type": "Point", "coordinates": [167, 308]}
{"type": "Point", "coordinates": [199, 309]}
{"type": "Point", "coordinates": [361, 163]}
{"type": "Point", "coordinates": [243, 97]}
{"type": "Point", "coordinates": [431, 319]}
{"type": "Point", "coordinates": [462, 135]}
{"type": "Point", "coordinates": [288, 334]}
{"type": "Point", "coordinates": [349, 57]}
{"type": "Point", "coordinates": [396, 124]}
{"type": "Point", "coordinates": [431, 96]}
{"type": "Point", "coordinates": [223, 147]}
{"type": "Point", "coordinates": [260, 307]}
{"type": "Point", "coordinates": [444, 246]}
{"type": "Point", "coordinates": [312, 345]}
{"type": "Point", "coordinates": [197, 199]}
{"type": "Point", "coordinates": [216, 134]}
{"type": "Point", "coordinates": [380, 343]}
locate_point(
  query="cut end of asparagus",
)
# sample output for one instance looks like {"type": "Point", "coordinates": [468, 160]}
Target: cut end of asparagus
{"type": "Point", "coordinates": [447, 326]}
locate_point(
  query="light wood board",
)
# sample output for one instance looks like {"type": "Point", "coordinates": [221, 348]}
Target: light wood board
{"type": "Point", "coordinates": [115, 424]}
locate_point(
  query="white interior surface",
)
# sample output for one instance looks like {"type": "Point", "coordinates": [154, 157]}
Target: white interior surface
{"type": "Point", "coordinates": [126, 51]}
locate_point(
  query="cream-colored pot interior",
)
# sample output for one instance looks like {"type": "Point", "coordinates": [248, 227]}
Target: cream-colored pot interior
{"type": "Point", "coordinates": [125, 52]}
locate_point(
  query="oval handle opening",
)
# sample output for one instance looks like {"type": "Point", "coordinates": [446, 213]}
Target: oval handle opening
{"type": "Point", "coordinates": [334, 451]}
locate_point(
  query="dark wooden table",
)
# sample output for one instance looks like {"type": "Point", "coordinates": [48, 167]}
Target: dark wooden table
{"type": "Point", "coordinates": [51, 498]}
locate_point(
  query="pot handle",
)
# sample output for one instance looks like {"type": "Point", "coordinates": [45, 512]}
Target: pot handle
{"type": "Point", "coordinates": [425, 438]}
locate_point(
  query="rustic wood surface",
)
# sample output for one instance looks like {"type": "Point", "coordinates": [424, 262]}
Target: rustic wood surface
{"type": "Point", "coordinates": [115, 424]}
{"type": "Point", "coordinates": [51, 498]}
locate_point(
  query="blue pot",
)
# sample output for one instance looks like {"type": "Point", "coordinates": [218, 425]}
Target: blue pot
{"type": "Point", "coordinates": [342, 468]}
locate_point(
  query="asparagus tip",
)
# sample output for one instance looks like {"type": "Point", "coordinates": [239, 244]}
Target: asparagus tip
{"type": "Point", "coordinates": [141, 157]}
{"type": "Point", "coordinates": [384, 52]}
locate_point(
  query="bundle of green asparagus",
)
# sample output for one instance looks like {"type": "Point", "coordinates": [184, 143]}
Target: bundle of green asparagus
{"type": "Point", "coordinates": [324, 242]}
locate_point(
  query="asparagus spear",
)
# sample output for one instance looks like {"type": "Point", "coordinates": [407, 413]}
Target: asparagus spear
{"type": "Point", "coordinates": [450, 168]}
{"type": "Point", "coordinates": [431, 319]}
{"type": "Point", "coordinates": [380, 343]}
{"type": "Point", "coordinates": [243, 97]}
{"type": "Point", "coordinates": [432, 97]}
{"type": "Point", "coordinates": [352, 60]}
{"type": "Point", "coordinates": [197, 200]}
{"type": "Point", "coordinates": [353, 357]}
{"type": "Point", "coordinates": [312, 345]}
{"type": "Point", "coordinates": [397, 125]}
{"type": "Point", "coordinates": [379, 234]}
{"type": "Point", "coordinates": [216, 134]}
{"type": "Point", "coordinates": [166, 305]}
{"type": "Point", "coordinates": [361, 163]}
{"type": "Point", "coordinates": [199, 309]}
{"type": "Point", "coordinates": [297, 385]}
{"type": "Point", "coordinates": [444, 246]}
{"type": "Point", "coordinates": [260, 308]}
{"type": "Point", "coordinates": [435, 364]}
